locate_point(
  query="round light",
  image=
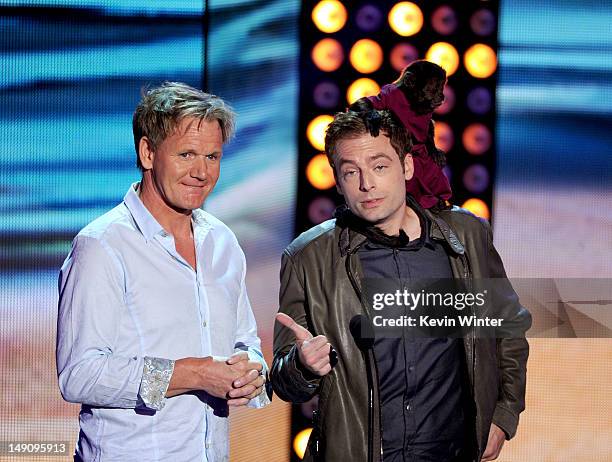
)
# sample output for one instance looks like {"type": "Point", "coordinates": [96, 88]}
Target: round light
{"type": "Point", "coordinates": [443, 136]}
{"type": "Point", "coordinates": [300, 442]}
{"type": "Point", "coordinates": [479, 100]}
{"type": "Point", "coordinates": [444, 55]}
{"type": "Point", "coordinates": [316, 131]}
{"type": "Point", "coordinates": [482, 22]}
{"type": "Point", "coordinates": [366, 56]}
{"type": "Point", "coordinates": [480, 61]}
{"type": "Point", "coordinates": [403, 54]}
{"type": "Point", "coordinates": [368, 18]}
{"type": "Point", "coordinates": [444, 20]}
{"type": "Point", "coordinates": [476, 178]}
{"type": "Point", "coordinates": [320, 173]}
{"type": "Point", "coordinates": [329, 16]}
{"type": "Point", "coordinates": [328, 55]}
{"type": "Point", "coordinates": [360, 88]}
{"type": "Point", "coordinates": [321, 209]}
{"type": "Point", "coordinates": [477, 207]}
{"type": "Point", "coordinates": [326, 95]}
{"type": "Point", "coordinates": [476, 139]}
{"type": "Point", "coordinates": [449, 101]}
{"type": "Point", "coordinates": [406, 19]}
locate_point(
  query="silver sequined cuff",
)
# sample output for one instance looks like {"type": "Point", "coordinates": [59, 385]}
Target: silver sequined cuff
{"type": "Point", "coordinates": [155, 380]}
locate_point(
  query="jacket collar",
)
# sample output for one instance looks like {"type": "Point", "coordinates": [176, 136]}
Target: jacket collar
{"type": "Point", "coordinates": [351, 239]}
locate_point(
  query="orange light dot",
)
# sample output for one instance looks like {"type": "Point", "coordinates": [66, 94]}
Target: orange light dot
{"type": "Point", "coordinates": [480, 61]}
{"type": "Point", "coordinates": [443, 136]}
{"type": "Point", "coordinates": [316, 131]}
{"type": "Point", "coordinates": [444, 55]}
{"type": "Point", "coordinates": [366, 56]}
{"type": "Point", "coordinates": [301, 441]}
{"type": "Point", "coordinates": [329, 16]}
{"type": "Point", "coordinates": [477, 207]}
{"type": "Point", "coordinates": [476, 139]}
{"type": "Point", "coordinates": [328, 55]}
{"type": "Point", "coordinates": [406, 19]}
{"type": "Point", "coordinates": [360, 88]}
{"type": "Point", "coordinates": [320, 173]}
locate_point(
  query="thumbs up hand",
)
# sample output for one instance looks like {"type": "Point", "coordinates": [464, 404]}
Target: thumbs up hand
{"type": "Point", "coordinates": [314, 352]}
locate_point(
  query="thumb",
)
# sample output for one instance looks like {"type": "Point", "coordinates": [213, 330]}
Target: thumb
{"type": "Point", "coordinates": [237, 357]}
{"type": "Point", "coordinates": [301, 334]}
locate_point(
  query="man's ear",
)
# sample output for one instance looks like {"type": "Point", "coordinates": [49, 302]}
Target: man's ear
{"type": "Point", "coordinates": [146, 154]}
{"type": "Point", "coordinates": [408, 166]}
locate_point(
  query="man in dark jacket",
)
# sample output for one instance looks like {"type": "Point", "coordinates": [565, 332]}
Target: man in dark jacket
{"type": "Point", "coordinates": [393, 398]}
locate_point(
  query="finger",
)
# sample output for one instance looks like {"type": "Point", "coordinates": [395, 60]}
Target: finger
{"type": "Point", "coordinates": [242, 391]}
{"type": "Point", "coordinates": [245, 379]}
{"type": "Point", "coordinates": [316, 352]}
{"type": "Point", "coordinates": [237, 357]}
{"type": "Point", "coordinates": [254, 365]}
{"type": "Point", "coordinates": [299, 332]}
{"type": "Point", "coordinates": [314, 343]}
{"type": "Point", "coordinates": [255, 394]}
{"type": "Point", "coordinates": [238, 402]}
{"type": "Point", "coordinates": [326, 370]}
{"type": "Point", "coordinates": [320, 365]}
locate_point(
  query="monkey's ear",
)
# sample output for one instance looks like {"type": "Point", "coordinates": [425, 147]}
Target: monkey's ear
{"type": "Point", "coordinates": [407, 80]}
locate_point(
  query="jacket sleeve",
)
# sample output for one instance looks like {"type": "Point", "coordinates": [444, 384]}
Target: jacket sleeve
{"type": "Point", "coordinates": [512, 346]}
{"type": "Point", "coordinates": [290, 381]}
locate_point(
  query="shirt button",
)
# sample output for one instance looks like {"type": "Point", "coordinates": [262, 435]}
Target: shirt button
{"type": "Point", "coordinates": [207, 445]}
{"type": "Point", "coordinates": [410, 368]}
{"type": "Point", "coordinates": [204, 324]}
{"type": "Point", "coordinates": [408, 407]}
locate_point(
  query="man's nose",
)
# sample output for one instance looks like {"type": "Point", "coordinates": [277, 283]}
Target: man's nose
{"type": "Point", "coordinates": [366, 182]}
{"type": "Point", "coordinates": [199, 168]}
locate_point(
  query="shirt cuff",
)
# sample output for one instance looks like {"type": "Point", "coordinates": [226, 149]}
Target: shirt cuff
{"type": "Point", "coordinates": [156, 376]}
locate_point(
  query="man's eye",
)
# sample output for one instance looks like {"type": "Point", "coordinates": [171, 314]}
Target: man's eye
{"type": "Point", "coordinates": [380, 168]}
{"type": "Point", "coordinates": [212, 156]}
{"type": "Point", "coordinates": [186, 155]}
{"type": "Point", "coordinates": [349, 173]}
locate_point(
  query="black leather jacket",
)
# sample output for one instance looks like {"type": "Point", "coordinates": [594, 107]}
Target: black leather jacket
{"type": "Point", "coordinates": [321, 290]}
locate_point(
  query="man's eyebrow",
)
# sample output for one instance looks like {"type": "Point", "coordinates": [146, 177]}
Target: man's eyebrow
{"type": "Point", "coordinates": [378, 156]}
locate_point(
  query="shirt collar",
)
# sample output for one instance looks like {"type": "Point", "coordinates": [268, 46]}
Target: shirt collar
{"type": "Point", "coordinates": [148, 225]}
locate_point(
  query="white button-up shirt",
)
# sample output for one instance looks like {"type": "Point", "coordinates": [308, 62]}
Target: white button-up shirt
{"type": "Point", "coordinates": [127, 298]}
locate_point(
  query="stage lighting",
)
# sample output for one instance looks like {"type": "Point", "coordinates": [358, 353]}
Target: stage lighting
{"type": "Point", "coordinates": [366, 56]}
{"type": "Point", "coordinates": [476, 178]}
{"type": "Point", "coordinates": [443, 136]}
{"type": "Point", "coordinates": [320, 209]}
{"type": "Point", "coordinates": [476, 139]}
{"type": "Point", "coordinates": [482, 22]}
{"type": "Point", "coordinates": [449, 101]}
{"type": "Point", "coordinates": [444, 55]}
{"type": "Point", "coordinates": [328, 55]}
{"type": "Point", "coordinates": [360, 88]}
{"type": "Point", "coordinates": [320, 173]}
{"type": "Point", "coordinates": [300, 442]}
{"type": "Point", "coordinates": [368, 18]}
{"type": "Point", "coordinates": [479, 100]}
{"type": "Point", "coordinates": [406, 19]}
{"type": "Point", "coordinates": [326, 95]}
{"type": "Point", "coordinates": [477, 207]}
{"type": "Point", "coordinates": [403, 54]}
{"type": "Point", "coordinates": [316, 131]}
{"type": "Point", "coordinates": [329, 16]}
{"type": "Point", "coordinates": [444, 20]}
{"type": "Point", "coordinates": [480, 61]}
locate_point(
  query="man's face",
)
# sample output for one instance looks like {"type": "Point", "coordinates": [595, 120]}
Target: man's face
{"type": "Point", "coordinates": [185, 165]}
{"type": "Point", "coordinates": [371, 178]}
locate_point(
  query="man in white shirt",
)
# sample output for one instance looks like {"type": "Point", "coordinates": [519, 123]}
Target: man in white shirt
{"type": "Point", "coordinates": [156, 337]}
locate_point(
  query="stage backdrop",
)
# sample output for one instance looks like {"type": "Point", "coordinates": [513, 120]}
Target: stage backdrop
{"type": "Point", "coordinates": [72, 72]}
{"type": "Point", "coordinates": [553, 209]}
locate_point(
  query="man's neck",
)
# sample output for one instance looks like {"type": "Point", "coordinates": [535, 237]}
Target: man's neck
{"type": "Point", "coordinates": [175, 222]}
{"type": "Point", "coordinates": [407, 220]}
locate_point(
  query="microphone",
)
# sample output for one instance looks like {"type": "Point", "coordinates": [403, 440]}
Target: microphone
{"type": "Point", "coordinates": [362, 331]}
